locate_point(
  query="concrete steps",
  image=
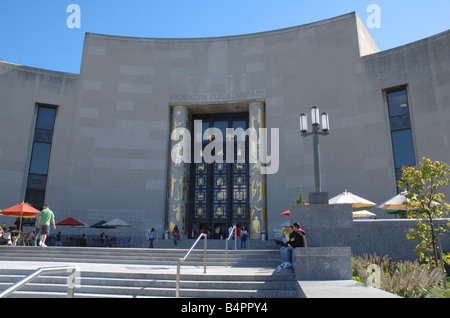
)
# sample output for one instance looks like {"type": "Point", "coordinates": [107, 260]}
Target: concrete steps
{"type": "Point", "coordinates": [264, 258]}
{"type": "Point", "coordinates": [133, 272]}
{"type": "Point", "coordinates": [200, 286]}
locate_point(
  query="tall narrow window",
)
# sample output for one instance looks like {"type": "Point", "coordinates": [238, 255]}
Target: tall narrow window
{"type": "Point", "coordinates": [401, 132]}
{"type": "Point", "coordinates": [40, 156]}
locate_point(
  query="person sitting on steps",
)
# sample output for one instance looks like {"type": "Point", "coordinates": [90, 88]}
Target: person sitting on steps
{"type": "Point", "coordinates": [296, 239]}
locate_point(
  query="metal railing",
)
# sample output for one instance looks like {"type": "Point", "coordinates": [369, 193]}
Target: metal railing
{"type": "Point", "coordinates": [45, 270]}
{"type": "Point", "coordinates": [184, 258]}
{"type": "Point", "coordinates": [233, 230]}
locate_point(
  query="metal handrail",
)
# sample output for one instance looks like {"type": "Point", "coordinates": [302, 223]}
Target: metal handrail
{"type": "Point", "coordinates": [226, 244]}
{"type": "Point", "coordinates": [44, 270]}
{"type": "Point", "coordinates": [184, 258]}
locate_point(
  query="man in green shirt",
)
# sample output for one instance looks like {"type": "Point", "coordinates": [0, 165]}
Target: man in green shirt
{"type": "Point", "coordinates": [45, 217]}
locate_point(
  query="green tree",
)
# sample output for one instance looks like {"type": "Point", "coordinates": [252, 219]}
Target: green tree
{"type": "Point", "coordinates": [426, 204]}
{"type": "Point", "coordinates": [300, 200]}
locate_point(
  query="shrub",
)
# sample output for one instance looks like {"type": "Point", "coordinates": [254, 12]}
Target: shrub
{"type": "Point", "coordinates": [407, 279]}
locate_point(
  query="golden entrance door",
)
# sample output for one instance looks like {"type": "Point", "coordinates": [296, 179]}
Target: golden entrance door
{"type": "Point", "coordinates": [219, 190]}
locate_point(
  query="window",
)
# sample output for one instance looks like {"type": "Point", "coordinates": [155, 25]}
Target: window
{"type": "Point", "coordinates": [40, 155]}
{"type": "Point", "coordinates": [401, 131]}
{"type": "Point", "coordinates": [40, 158]}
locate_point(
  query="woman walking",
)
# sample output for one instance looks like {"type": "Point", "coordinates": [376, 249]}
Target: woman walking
{"type": "Point", "coordinates": [176, 235]}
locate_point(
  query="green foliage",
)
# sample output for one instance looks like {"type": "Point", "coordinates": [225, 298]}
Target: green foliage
{"type": "Point", "coordinates": [437, 292]}
{"type": "Point", "coordinates": [300, 200]}
{"type": "Point", "coordinates": [426, 204]}
{"type": "Point", "coordinates": [406, 279]}
{"type": "Point", "coordinates": [285, 231]}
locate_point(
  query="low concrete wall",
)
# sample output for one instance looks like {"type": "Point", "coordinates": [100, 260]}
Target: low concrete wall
{"type": "Point", "coordinates": [325, 225]}
{"type": "Point", "coordinates": [333, 226]}
{"type": "Point", "coordinates": [387, 237]}
{"type": "Point", "coordinates": [322, 263]}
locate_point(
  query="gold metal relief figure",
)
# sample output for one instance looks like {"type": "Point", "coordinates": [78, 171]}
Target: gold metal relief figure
{"type": "Point", "coordinates": [178, 176]}
{"type": "Point", "coordinates": [256, 226]}
{"type": "Point", "coordinates": [257, 180]}
{"type": "Point", "coordinates": [172, 181]}
{"type": "Point", "coordinates": [179, 211]}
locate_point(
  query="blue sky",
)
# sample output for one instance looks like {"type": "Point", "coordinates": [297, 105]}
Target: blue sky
{"type": "Point", "coordinates": [35, 32]}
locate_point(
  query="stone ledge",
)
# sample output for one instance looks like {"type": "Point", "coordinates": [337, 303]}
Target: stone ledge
{"type": "Point", "coordinates": [340, 289]}
{"type": "Point", "coordinates": [322, 263]}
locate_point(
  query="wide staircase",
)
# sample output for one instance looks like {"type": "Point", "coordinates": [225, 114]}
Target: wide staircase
{"type": "Point", "coordinates": [144, 272]}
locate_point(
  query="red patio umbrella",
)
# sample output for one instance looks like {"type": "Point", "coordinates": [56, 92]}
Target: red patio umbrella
{"type": "Point", "coordinates": [71, 222]}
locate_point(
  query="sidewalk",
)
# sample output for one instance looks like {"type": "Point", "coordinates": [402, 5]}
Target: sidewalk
{"type": "Point", "coordinates": [340, 289]}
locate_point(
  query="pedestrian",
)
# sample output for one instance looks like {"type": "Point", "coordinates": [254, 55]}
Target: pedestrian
{"type": "Point", "coordinates": [37, 232]}
{"type": "Point", "coordinates": [238, 236]}
{"type": "Point", "coordinates": [83, 241]}
{"type": "Point", "coordinates": [176, 235]}
{"type": "Point", "coordinates": [235, 236]}
{"type": "Point", "coordinates": [152, 236]}
{"type": "Point", "coordinates": [104, 239]}
{"type": "Point", "coordinates": [217, 232]}
{"type": "Point", "coordinates": [58, 239]}
{"type": "Point", "coordinates": [45, 217]}
{"type": "Point", "coordinates": [244, 236]}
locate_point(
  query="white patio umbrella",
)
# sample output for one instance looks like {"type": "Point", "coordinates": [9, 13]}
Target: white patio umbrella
{"type": "Point", "coordinates": [117, 222]}
{"type": "Point", "coordinates": [363, 214]}
{"type": "Point", "coordinates": [349, 198]}
{"type": "Point", "coordinates": [395, 203]}
{"type": "Point", "coordinates": [398, 203]}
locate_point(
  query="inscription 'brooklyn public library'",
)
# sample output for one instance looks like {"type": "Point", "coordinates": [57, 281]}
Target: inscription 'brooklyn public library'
{"type": "Point", "coordinates": [209, 97]}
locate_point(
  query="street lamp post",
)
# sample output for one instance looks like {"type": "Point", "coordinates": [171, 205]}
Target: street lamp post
{"type": "Point", "coordinates": [317, 197]}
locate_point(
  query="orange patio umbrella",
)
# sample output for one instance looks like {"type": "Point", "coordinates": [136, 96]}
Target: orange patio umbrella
{"type": "Point", "coordinates": [288, 212]}
{"type": "Point", "coordinates": [21, 210]}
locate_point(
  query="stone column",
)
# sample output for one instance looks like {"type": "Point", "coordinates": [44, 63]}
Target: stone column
{"type": "Point", "coordinates": [258, 204]}
{"type": "Point", "coordinates": [177, 189]}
